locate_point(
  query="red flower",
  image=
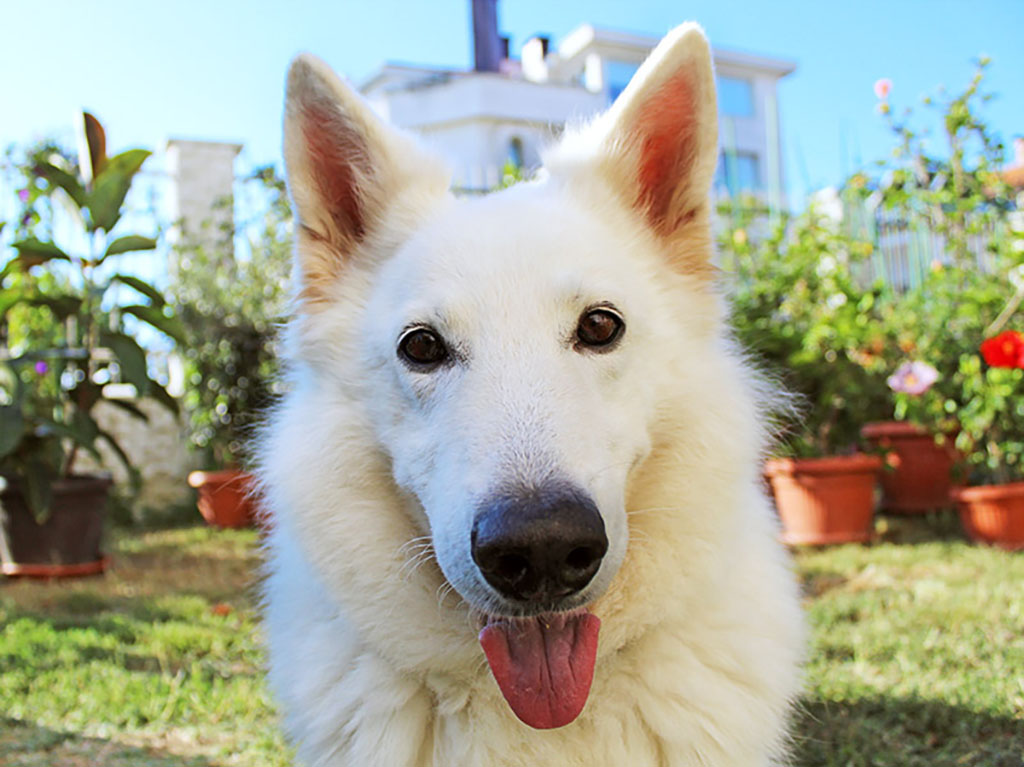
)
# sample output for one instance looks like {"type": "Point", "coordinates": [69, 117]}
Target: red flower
{"type": "Point", "coordinates": [1005, 350]}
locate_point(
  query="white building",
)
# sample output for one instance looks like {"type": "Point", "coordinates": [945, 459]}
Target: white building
{"type": "Point", "coordinates": [479, 120]}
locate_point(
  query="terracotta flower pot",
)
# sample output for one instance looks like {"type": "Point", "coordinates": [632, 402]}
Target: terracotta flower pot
{"type": "Point", "coordinates": [919, 478]}
{"type": "Point", "coordinates": [993, 514]}
{"type": "Point", "coordinates": [225, 497]}
{"type": "Point", "coordinates": [68, 543]}
{"type": "Point", "coordinates": [825, 500]}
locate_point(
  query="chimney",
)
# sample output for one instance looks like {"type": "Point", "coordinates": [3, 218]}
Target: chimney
{"type": "Point", "coordinates": [534, 59]}
{"type": "Point", "coordinates": [1018, 151]}
{"type": "Point", "coordinates": [486, 42]}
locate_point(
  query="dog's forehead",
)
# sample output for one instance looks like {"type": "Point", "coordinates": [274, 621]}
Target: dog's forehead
{"type": "Point", "coordinates": [520, 239]}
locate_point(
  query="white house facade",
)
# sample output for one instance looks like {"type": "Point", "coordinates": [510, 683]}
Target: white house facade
{"type": "Point", "coordinates": [480, 120]}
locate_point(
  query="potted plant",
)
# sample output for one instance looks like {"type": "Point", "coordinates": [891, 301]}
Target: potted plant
{"type": "Point", "coordinates": [230, 306]}
{"type": "Point", "coordinates": [991, 437]}
{"type": "Point", "coordinates": [959, 199]}
{"type": "Point", "coordinates": [798, 305]}
{"type": "Point", "coordinates": [68, 326]}
{"type": "Point", "coordinates": [919, 464]}
{"type": "Point", "coordinates": [984, 407]}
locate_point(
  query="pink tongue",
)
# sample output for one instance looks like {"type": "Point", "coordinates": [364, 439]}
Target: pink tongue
{"type": "Point", "coordinates": [543, 665]}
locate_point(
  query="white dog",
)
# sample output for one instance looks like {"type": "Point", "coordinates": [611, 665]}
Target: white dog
{"type": "Point", "coordinates": [514, 488]}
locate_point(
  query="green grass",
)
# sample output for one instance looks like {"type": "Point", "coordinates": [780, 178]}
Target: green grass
{"type": "Point", "coordinates": [156, 663]}
{"type": "Point", "coordinates": [917, 656]}
{"type": "Point", "coordinates": [917, 652]}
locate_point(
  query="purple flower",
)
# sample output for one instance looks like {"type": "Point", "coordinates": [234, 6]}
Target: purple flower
{"type": "Point", "coordinates": [42, 368]}
{"type": "Point", "coordinates": [23, 195]}
{"type": "Point", "coordinates": [913, 378]}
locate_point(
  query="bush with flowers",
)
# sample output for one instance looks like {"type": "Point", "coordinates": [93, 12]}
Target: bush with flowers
{"type": "Point", "coordinates": [951, 339]}
{"type": "Point", "coordinates": [973, 391]}
{"type": "Point", "coordinates": [812, 298]}
{"type": "Point", "coordinates": [803, 308]}
{"type": "Point", "coordinates": [230, 309]}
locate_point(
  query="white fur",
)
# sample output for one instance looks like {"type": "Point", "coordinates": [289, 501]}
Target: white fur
{"type": "Point", "coordinates": [371, 471]}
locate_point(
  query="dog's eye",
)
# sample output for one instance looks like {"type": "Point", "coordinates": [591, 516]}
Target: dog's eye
{"type": "Point", "coordinates": [423, 347]}
{"type": "Point", "coordinates": [599, 328]}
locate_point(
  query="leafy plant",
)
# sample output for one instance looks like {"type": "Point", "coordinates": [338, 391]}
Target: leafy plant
{"type": "Point", "coordinates": [807, 303]}
{"type": "Point", "coordinates": [230, 309]}
{"type": "Point", "coordinates": [945, 320]}
{"type": "Point", "coordinates": [799, 305]}
{"type": "Point", "coordinates": [960, 193]}
{"type": "Point", "coordinates": [978, 397]}
{"type": "Point", "coordinates": [63, 329]}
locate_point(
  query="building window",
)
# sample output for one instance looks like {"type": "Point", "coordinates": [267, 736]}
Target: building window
{"type": "Point", "coordinates": [619, 73]}
{"type": "Point", "coordinates": [738, 173]}
{"type": "Point", "coordinates": [736, 97]}
{"type": "Point", "coordinates": [515, 153]}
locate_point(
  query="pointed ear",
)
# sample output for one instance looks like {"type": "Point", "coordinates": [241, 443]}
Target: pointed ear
{"type": "Point", "coordinates": [658, 144]}
{"type": "Point", "coordinates": [344, 168]}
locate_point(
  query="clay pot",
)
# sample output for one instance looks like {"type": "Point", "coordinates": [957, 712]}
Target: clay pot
{"type": "Point", "coordinates": [68, 544]}
{"type": "Point", "coordinates": [919, 477]}
{"type": "Point", "coordinates": [993, 514]}
{"type": "Point", "coordinates": [825, 500]}
{"type": "Point", "coordinates": [225, 497]}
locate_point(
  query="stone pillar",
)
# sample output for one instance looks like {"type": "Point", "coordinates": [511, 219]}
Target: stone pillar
{"type": "Point", "coordinates": [202, 202]}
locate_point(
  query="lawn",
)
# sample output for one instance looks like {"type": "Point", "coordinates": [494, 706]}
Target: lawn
{"type": "Point", "coordinates": [917, 656]}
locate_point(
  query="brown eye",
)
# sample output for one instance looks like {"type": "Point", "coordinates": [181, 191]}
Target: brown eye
{"type": "Point", "coordinates": [423, 347]}
{"type": "Point", "coordinates": [599, 328]}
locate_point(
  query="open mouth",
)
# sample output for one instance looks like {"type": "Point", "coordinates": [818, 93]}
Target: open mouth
{"type": "Point", "coordinates": [543, 665]}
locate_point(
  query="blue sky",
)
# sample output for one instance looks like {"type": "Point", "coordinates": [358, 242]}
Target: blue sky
{"type": "Point", "coordinates": [214, 68]}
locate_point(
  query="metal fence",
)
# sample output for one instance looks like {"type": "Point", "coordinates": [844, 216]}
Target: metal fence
{"type": "Point", "coordinates": [907, 246]}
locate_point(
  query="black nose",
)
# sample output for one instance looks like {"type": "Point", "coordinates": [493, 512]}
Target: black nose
{"type": "Point", "coordinates": [539, 546]}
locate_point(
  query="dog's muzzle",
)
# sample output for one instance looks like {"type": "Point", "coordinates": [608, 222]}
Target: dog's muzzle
{"type": "Point", "coordinates": [539, 546]}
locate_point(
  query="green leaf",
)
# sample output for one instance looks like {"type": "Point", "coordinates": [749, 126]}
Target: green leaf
{"type": "Point", "coordinates": [130, 357]}
{"type": "Point", "coordinates": [10, 381]}
{"type": "Point", "coordinates": [111, 186]}
{"type": "Point", "coordinates": [134, 476]}
{"type": "Point", "coordinates": [80, 433]}
{"type": "Point", "coordinates": [129, 407]}
{"type": "Point", "coordinates": [85, 427]}
{"type": "Point", "coordinates": [142, 287]}
{"type": "Point", "coordinates": [12, 428]}
{"type": "Point", "coordinates": [9, 299]}
{"type": "Point", "coordinates": [161, 395]}
{"type": "Point", "coordinates": [129, 244]}
{"type": "Point", "coordinates": [152, 315]}
{"type": "Point", "coordinates": [61, 306]}
{"type": "Point", "coordinates": [33, 247]}
{"type": "Point", "coordinates": [32, 252]}
{"type": "Point", "coordinates": [61, 178]}
{"type": "Point", "coordinates": [96, 145]}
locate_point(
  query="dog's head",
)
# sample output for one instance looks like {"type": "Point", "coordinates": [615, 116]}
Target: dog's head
{"type": "Point", "coordinates": [510, 350]}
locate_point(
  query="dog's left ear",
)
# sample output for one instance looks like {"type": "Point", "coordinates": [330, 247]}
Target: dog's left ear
{"type": "Point", "coordinates": [658, 144]}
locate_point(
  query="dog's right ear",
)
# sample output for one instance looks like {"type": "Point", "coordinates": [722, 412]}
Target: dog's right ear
{"type": "Point", "coordinates": [344, 167]}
